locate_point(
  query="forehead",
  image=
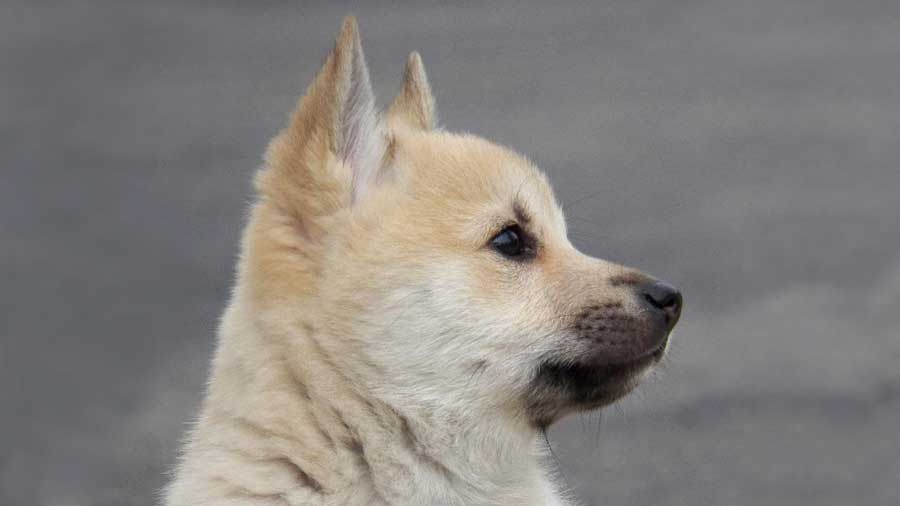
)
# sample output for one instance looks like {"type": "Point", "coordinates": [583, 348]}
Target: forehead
{"type": "Point", "coordinates": [475, 177]}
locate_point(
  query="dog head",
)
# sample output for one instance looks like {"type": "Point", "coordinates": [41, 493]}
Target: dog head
{"type": "Point", "coordinates": [433, 268]}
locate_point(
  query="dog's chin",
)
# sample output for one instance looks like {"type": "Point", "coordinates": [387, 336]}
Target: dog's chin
{"type": "Point", "coordinates": [562, 388]}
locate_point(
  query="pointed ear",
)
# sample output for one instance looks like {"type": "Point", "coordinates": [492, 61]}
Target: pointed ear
{"type": "Point", "coordinates": [414, 106]}
{"type": "Point", "coordinates": [335, 121]}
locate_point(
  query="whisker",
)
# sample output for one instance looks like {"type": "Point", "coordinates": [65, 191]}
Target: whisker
{"type": "Point", "coordinates": [584, 235]}
{"type": "Point", "coordinates": [582, 199]}
{"type": "Point", "coordinates": [584, 220]}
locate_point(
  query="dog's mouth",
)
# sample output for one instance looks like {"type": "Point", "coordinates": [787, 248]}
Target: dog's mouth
{"type": "Point", "coordinates": [559, 388]}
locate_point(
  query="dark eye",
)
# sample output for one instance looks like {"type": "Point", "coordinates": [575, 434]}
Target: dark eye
{"type": "Point", "coordinates": [510, 242]}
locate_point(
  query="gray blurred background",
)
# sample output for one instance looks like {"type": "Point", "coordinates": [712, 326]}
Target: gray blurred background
{"type": "Point", "coordinates": [746, 151]}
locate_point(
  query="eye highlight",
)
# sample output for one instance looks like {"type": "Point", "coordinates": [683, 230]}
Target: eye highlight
{"type": "Point", "coordinates": [512, 242]}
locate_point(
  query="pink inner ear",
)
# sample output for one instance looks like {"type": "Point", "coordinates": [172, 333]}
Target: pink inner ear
{"type": "Point", "coordinates": [363, 141]}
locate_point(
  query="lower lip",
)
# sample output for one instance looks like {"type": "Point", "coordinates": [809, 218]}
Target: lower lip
{"type": "Point", "coordinates": [628, 369]}
{"type": "Point", "coordinates": [642, 361]}
{"type": "Point", "coordinates": [599, 376]}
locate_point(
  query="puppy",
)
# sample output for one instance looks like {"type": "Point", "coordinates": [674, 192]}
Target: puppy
{"type": "Point", "coordinates": [409, 315]}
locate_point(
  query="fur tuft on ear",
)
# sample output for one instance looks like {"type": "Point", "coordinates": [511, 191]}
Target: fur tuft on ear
{"type": "Point", "coordinates": [333, 149]}
{"type": "Point", "coordinates": [414, 106]}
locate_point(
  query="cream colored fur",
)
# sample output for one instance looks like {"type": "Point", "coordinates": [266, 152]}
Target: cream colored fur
{"type": "Point", "coordinates": [375, 351]}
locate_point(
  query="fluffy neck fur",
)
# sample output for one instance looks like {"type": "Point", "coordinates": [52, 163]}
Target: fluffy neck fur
{"type": "Point", "coordinates": [288, 421]}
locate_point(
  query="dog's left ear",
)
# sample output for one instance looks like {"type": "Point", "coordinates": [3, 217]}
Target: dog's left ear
{"type": "Point", "coordinates": [334, 138]}
{"type": "Point", "coordinates": [414, 106]}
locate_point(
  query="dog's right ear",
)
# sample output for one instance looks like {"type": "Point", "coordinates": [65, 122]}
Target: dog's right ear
{"type": "Point", "coordinates": [414, 106]}
{"type": "Point", "coordinates": [333, 149]}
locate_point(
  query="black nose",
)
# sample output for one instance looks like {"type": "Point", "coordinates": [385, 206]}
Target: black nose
{"type": "Point", "coordinates": [665, 297]}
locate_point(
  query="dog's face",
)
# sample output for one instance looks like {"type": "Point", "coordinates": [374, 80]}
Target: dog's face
{"type": "Point", "coordinates": [476, 288]}
{"type": "Point", "coordinates": [450, 281]}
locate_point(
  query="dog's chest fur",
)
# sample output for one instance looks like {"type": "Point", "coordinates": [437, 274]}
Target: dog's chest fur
{"type": "Point", "coordinates": [270, 436]}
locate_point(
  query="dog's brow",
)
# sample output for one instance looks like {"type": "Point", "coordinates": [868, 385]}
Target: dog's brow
{"type": "Point", "coordinates": [522, 216]}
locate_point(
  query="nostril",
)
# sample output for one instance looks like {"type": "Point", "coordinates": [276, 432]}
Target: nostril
{"type": "Point", "coordinates": [649, 298]}
{"type": "Point", "coordinates": [663, 296]}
